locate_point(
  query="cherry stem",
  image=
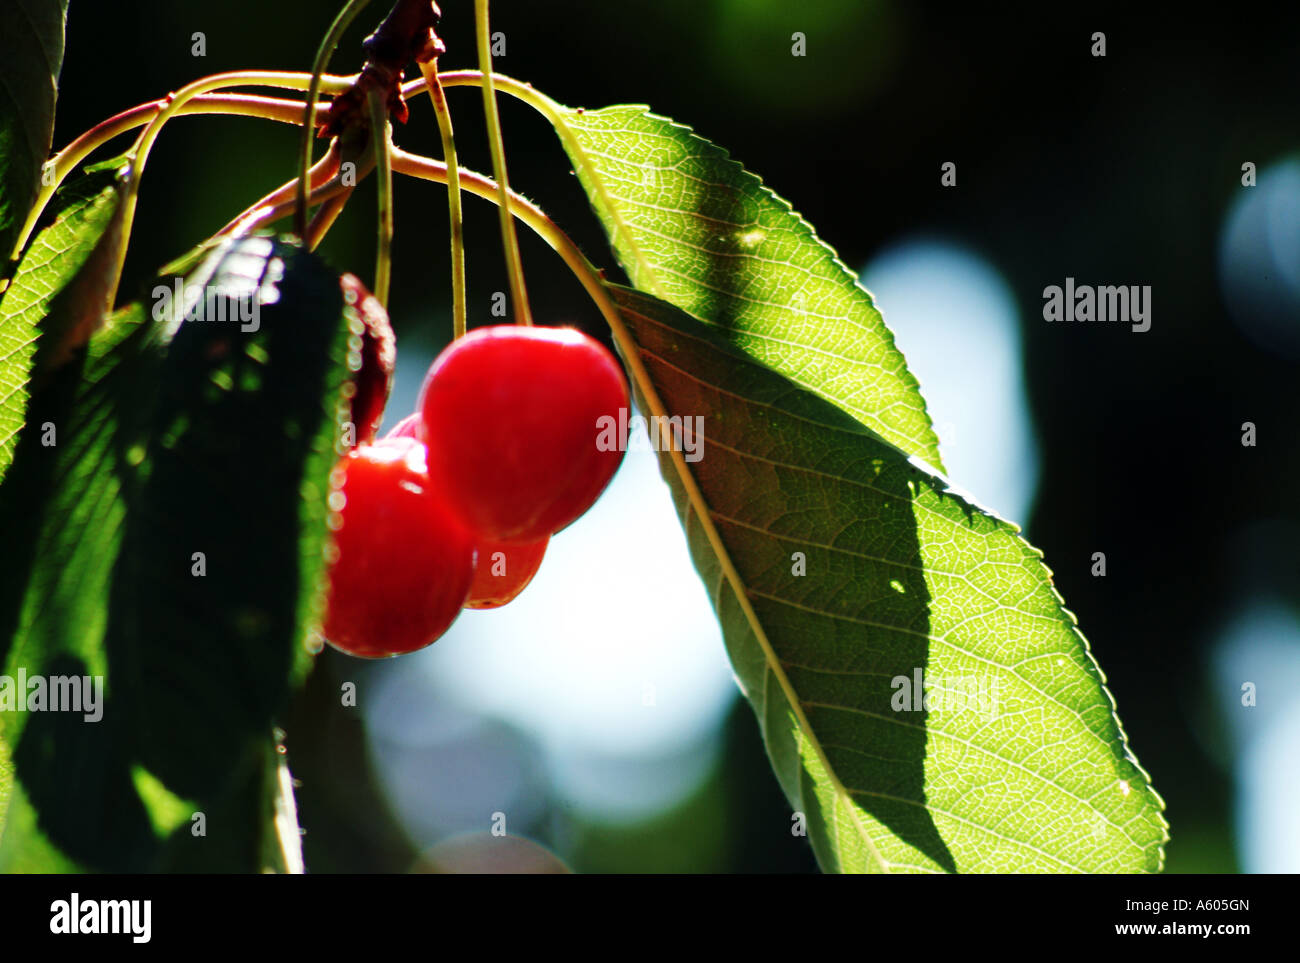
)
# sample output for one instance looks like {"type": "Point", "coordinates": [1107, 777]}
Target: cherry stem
{"type": "Point", "coordinates": [514, 264]}
{"type": "Point", "coordinates": [288, 835]}
{"type": "Point", "coordinates": [382, 147]}
{"type": "Point", "coordinates": [588, 275]}
{"type": "Point", "coordinates": [518, 89]}
{"type": "Point", "coordinates": [329, 191]}
{"type": "Point", "coordinates": [529, 94]}
{"type": "Point", "coordinates": [590, 278]}
{"type": "Point", "coordinates": [323, 53]}
{"type": "Point", "coordinates": [245, 105]}
{"type": "Point", "coordinates": [458, 309]}
{"type": "Point", "coordinates": [258, 213]}
{"type": "Point", "coordinates": [325, 217]}
{"type": "Point", "coordinates": [138, 156]}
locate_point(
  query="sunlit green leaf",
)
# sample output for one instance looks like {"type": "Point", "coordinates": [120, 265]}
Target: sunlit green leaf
{"type": "Point", "coordinates": [56, 289]}
{"type": "Point", "coordinates": [694, 228]}
{"type": "Point", "coordinates": [927, 703]}
{"type": "Point", "coordinates": [31, 55]}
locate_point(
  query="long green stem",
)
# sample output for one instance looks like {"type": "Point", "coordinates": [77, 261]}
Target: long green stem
{"type": "Point", "coordinates": [382, 146]}
{"type": "Point", "coordinates": [514, 264]}
{"type": "Point", "coordinates": [323, 54]}
{"type": "Point", "coordinates": [458, 307]}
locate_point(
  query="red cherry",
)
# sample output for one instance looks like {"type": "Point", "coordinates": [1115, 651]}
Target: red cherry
{"type": "Point", "coordinates": [372, 353]}
{"type": "Point", "coordinates": [514, 419]}
{"type": "Point", "coordinates": [404, 563]}
{"type": "Point", "coordinates": [502, 571]}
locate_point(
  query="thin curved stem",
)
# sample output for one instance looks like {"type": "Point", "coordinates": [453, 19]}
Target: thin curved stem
{"type": "Point", "coordinates": [529, 94]}
{"type": "Point", "coordinates": [331, 189]}
{"type": "Point", "coordinates": [589, 276]}
{"type": "Point", "coordinates": [458, 308]}
{"type": "Point", "coordinates": [327, 167]}
{"type": "Point", "coordinates": [327, 192]}
{"type": "Point", "coordinates": [139, 154]}
{"type": "Point", "coordinates": [279, 109]}
{"type": "Point", "coordinates": [518, 89]}
{"type": "Point", "coordinates": [246, 105]}
{"type": "Point", "coordinates": [323, 54]}
{"type": "Point", "coordinates": [382, 146]}
{"type": "Point", "coordinates": [416, 165]}
{"type": "Point", "coordinates": [514, 264]}
{"type": "Point", "coordinates": [325, 217]}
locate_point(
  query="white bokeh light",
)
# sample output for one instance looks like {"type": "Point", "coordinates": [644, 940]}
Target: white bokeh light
{"type": "Point", "coordinates": [1261, 645]}
{"type": "Point", "coordinates": [956, 322]}
{"type": "Point", "coordinates": [611, 659]}
{"type": "Point", "coordinates": [613, 648]}
{"type": "Point", "coordinates": [1259, 259]}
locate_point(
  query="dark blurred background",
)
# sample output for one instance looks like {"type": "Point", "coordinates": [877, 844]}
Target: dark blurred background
{"type": "Point", "coordinates": [1123, 169]}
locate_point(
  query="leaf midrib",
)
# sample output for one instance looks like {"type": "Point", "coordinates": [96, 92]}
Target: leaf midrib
{"type": "Point", "coordinates": [702, 510]}
{"type": "Point", "coordinates": [933, 639]}
{"type": "Point", "coordinates": [942, 640]}
{"type": "Point", "coordinates": [559, 116]}
{"type": "Point", "coordinates": [650, 280]}
{"type": "Point", "coordinates": [728, 571]}
{"type": "Point", "coordinates": [777, 666]}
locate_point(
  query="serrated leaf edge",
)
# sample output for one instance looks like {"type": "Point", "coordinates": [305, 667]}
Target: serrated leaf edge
{"type": "Point", "coordinates": [562, 113]}
{"type": "Point", "coordinates": [703, 515]}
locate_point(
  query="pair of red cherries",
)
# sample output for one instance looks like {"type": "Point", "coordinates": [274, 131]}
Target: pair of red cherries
{"type": "Point", "coordinates": [454, 508]}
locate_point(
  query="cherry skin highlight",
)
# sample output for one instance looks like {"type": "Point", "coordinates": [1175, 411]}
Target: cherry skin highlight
{"type": "Point", "coordinates": [502, 571]}
{"type": "Point", "coordinates": [373, 353]}
{"type": "Point", "coordinates": [513, 418]}
{"type": "Point", "coordinates": [403, 564]}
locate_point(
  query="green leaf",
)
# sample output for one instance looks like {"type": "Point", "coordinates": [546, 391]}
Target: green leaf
{"type": "Point", "coordinates": [58, 293]}
{"type": "Point", "coordinates": [36, 854]}
{"type": "Point", "coordinates": [847, 574]}
{"type": "Point", "coordinates": [695, 229]}
{"type": "Point", "coordinates": [235, 478]}
{"type": "Point", "coordinates": [31, 55]}
{"type": "Point", "coordinates": [6, 782]}
{"type": "Point", "coordinates": [172, 438]}
{"type": "Point", "coordinates": [62, 510]}
{"type": "Point", "coordinates": [844, 572]}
